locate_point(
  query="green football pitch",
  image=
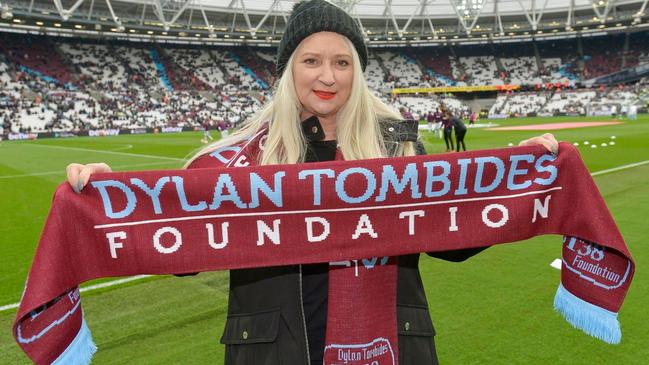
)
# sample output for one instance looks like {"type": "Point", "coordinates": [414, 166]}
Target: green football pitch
{"type": "Point", "coordinates": [495, 308]}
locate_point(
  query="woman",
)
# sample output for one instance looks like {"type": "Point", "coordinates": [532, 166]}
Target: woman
{"type": "Point", "coordinates": [460, 133]}
{"type": "Point", "coordinates": [447, 123]}
{"type": "Point", "coordinates": [322, 110]}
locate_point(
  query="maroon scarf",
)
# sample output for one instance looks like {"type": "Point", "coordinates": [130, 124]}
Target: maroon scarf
{"type": "Point", "coordinates": [162, 222]}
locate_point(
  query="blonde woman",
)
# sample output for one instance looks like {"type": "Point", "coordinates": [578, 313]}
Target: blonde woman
{"type": "Point", "coordinates": [322, 110]}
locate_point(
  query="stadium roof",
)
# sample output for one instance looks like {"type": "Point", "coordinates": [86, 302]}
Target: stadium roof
{"type": "Point", "coordinates": [384, 21]}
{"type": "Point", "coordinates": [418, 8]}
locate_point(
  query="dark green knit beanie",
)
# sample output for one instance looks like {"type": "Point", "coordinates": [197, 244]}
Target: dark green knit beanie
{"type": "Point", "coordinates": [315, 16]}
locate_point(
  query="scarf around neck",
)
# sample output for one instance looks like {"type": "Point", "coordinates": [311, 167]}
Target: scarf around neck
{"type": "Point", "coordinates": [368, 211]}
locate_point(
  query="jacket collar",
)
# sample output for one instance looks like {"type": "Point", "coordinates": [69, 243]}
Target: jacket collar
{"type": "Point", "coordinates": [392, 130]}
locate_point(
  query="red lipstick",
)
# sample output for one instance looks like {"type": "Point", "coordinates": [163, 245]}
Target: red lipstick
{"type": "Point", "coordinates": [325, 95]}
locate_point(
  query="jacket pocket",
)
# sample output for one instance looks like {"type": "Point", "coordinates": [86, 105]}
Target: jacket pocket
{"type": "Point", "coordinates": [416, 335]}
{"type": "Point", "coordinates": [250, 338]}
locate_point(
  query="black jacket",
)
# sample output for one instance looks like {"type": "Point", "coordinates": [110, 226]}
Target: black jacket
{"type": "Point", "coordinates": [266, 326]}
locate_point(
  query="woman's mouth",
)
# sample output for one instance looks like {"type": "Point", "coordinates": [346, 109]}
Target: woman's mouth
{"type": "Point", "coordinates": [325, 95]}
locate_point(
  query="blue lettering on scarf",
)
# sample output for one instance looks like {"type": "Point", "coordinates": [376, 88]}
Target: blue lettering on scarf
{"type": "Point", "coordinates": [432, 178]}
{"type": "Point", "coordinates": [514, 171]}
{"type": "Point", "coordinates": [389, 177]}
{"type": "Point", "coordinates": [257, 184]}
{"type": "Point", "coordinates": [464, 165]}
{"type": "Point", "coordinates": [218, 153]}
{"type": "Point", "coordinates": [340, 185]}
{"type": "Point", "coordinates": [131, 200]}
{"type": "Point", "coordinates": [184, 204]}
{"type": "Point", "coordinates": [317, 174]}
{"type": "Point", "coordinates": [225, 181]}
{"type": "Point", "coordinates": [550, 168]}
{"type": "Point", "coordinates": [154, 193]}
{"type": "Point", "coordinates": [500, 172]}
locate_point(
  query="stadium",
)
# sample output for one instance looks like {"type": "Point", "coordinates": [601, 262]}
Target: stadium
{"type": "Point", "coordinates": [135, 84]}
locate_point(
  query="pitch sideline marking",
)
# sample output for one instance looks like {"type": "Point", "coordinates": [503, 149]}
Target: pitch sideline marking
{"type": "Point", "coordinates": [106, 152]}
{"type": "Point", "coordinates": [127, 147]}
{"type": "Point", "coordinates": [623, 167]}
{"type": "Point", "coordinates": [89, 288]}
{"type": "Point", "coordinates": [63, 171]}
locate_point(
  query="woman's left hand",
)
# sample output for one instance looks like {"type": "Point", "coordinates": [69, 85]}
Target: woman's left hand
{"type": "Point", "coordinates": [547, 140]}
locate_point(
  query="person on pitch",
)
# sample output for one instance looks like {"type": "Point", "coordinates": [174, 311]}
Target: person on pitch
{"type": "Point", "coordinates": [447, 123]}
{"type": "Point", "coordinates": [321, 110]}
{"type": "Point", "coordinates": [460, 132]}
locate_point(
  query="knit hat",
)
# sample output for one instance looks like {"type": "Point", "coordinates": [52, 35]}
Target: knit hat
{"type": "Point", "coordinates": [313, 16]}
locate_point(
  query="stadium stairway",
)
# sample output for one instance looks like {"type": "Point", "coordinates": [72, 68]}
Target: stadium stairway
{"type": "Point", "coordinates": [499, 65]}
{"type": "Point", "coordinates": [385, 70]}
{"type": "Point", "coordinates": [436, 64]}
{"type": "Point", "coordinates": [218, 64]}
{"type": "Point", "coordinates": [36, 56]}
{"type": "Point", "coordinates": [440, 77]}
{"type": "Point", "coordinates": [162, 73]}
{"type": "Point", "coordinates": [179, 77]}
{"type": "Point", "coordinates": [537, 57]}
{"type": "Point", "coordinates": [262, 69]}
{"type": "Point", "coordinates": [548, 99]}
{"type": "Point", "coordinates": [414, 60]}
{"type": "Point", "coordinates": [251, 66]}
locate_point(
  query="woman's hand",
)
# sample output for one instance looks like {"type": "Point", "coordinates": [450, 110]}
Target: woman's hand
{"type": "Point", "coordinates": [78, 174]}
{"type": "Point", "coordinates": [547, 140]}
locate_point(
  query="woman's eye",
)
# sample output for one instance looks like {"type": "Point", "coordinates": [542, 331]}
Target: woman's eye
{"type": "Point", "coordinates": [310, 61]}
{"type": "Point", "coordinates": [343, 63]}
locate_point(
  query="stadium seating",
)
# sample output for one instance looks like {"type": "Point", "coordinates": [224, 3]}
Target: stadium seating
{"type": "Point", "coordinates": [97, 66]}
{"type": "Point", "coordinates": [404, 70]}
{"type": "Point", "coordinates": [569, 102]}
{"type": "Point", "coordinates": [375, 75]}
{"type": "Point", "coordinates": [35, 55]}
{"type": "Point", "coordinates": [603, 56]}
{"type": "Point", "coordinates": [437, 65]}
{"type": "Point", "coordinates": [91, 84]}
{"type": "Point", "coordinates": [201, 63]}
{"type": "Point", "coordinates": [481, 70]}
{"type": "Point", "coordinates": [522, 70]}
{"type": "Point", "coordinates": [420, 106]}
{"type": "Point", "coordinates": [520, 104]}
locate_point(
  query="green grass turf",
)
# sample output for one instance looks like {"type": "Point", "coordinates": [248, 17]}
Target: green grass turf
{"type": "Point", "coordinates": [495, 308]}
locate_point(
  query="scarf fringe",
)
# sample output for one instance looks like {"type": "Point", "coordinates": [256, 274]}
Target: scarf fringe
{"type": "Point", "coordinates": [80, 350]}
{"type": "Point", "coordinates": [595, 321]}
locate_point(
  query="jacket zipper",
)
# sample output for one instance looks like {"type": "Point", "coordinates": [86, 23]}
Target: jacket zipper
{"type": "Point", "coordinates": [306, 336]}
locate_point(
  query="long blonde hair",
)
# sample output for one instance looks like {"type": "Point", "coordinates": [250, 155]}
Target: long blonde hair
{"type": "Point", "coordinates": [357, 126]}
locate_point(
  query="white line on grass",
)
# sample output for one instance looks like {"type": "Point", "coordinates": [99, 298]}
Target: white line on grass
{"type": "Point", "coordinates": [104, 152]}
{"type": "Point", "coordinates": [127, 147]}
{"type": "Point", "coordinates": [62, 172]}
{"type": "Point", "coordinates": [623, 167]}
{"type": "Point", "coordinates": [89, 288]}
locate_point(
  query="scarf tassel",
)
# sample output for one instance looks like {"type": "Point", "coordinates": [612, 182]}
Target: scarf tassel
{"type": "Point", "coordinates": [595, 321]}
{"type": "Point", "coordinates": [81, 349]}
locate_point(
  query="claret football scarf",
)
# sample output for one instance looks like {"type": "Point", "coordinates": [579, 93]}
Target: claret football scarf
{"type": "Point", "coordinates": [342, 212]}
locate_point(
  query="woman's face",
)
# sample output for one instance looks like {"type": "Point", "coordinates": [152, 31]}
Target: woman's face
{"type": "Point", "coordinates": [323, 73]}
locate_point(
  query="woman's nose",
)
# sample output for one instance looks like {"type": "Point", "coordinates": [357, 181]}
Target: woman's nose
{"type": "Point", "coordinates": [327, 75]}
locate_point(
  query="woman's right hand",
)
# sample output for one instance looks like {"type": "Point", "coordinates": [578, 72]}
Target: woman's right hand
{"type": "Point", "coordinates": [78, 174]}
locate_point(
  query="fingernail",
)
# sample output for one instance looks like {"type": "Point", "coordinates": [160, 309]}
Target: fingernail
{"type": "Point", "coordinates": [79, 186]}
